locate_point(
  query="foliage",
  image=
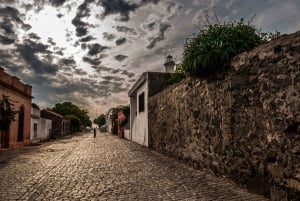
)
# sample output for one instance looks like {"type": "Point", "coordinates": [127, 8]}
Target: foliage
{"type": "Point", "coordinates": [68, 108]}
{"type": "Point", "coordinates": [34, 105]}
{"type": "Point", "coordinates": [75, 122]}
{"type": "Point", "coordinates": [7, 114]}
{"type": "Point", "coordinates": [100, 121]}
{"type": "Point", "coordinates": [178, 75]}
{"type": "Point", "coordinates": [211, 50]}
{"type": "Point", "coordinates": [126, 110]}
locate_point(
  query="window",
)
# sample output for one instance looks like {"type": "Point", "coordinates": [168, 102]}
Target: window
{"type": "Point", "coordinates": [142, 102]}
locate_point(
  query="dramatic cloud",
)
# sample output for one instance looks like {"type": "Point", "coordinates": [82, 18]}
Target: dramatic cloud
{"type": "Point", "coordinates": [91, 51]}
{"type": "Point", "coordinates": [82, 12]}
{"type": "Point", "coordinates": [34, 36]}
{"type": "Point", "coordinates": [51, 42]}
{"type": "Point", "coordinates": [108, 36]}
{"type": "Point", "coordinates": [121, 41]}
{"type": "Point", "coordinates": [29, 51]}
{"type": "Point", "coordinates": [92, 61]}
{"type": "Point", "coordinates": [121, 7]}
{"type": "Point", "coordinates": [55, 3]}
{"type": "Point", "coordinates": [11, 19]}
{"type": "Point", "coordinates": [96, 48]}
{"type": "Point", "coordinates": [143, 2]}
{"type": "Point", "coordinates": [120, 57]}
{"type": "Point", "coordinates": [67, 62]}
{"type": "Point", "coordinates": [126, 29]}
{"type": "Point", "coordinates": [5, 40]}
{"type": "Point", "coordinates": [153, 40]}
{"type": "Point", "coordinates": [87, 39]}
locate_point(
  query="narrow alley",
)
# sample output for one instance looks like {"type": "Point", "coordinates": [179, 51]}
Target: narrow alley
{"type": "Point", "coordinates": [82, 167]}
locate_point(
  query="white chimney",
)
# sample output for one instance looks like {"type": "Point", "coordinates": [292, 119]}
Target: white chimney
{"type": "Point", "coordinates": [169, 64]}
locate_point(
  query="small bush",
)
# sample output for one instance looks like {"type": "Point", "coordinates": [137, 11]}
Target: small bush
{"type": "Point", "coordinates": [178, 75]}
{"type": "Point", "coordinates": [212, 49]}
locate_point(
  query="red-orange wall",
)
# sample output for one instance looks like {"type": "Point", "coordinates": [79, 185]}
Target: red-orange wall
{"type": "Point", "coordinates": [20, 95]}
{"type": "Point", "coordinates": [121, 117]}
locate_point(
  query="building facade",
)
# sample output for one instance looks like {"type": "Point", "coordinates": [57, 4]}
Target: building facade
{"type": "Point", "coordinates": [112, 120]}
{"type": "Point", "coordinates": [40, 127]}
{"type": "Point", "coordinates": [149, 84]}
{"type": "Point", "coordinates": [19, 94]}
{"type": "Point", "coordinates": [60, 125]}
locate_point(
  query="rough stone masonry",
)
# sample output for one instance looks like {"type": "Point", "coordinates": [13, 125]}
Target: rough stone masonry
{"type": "Point", "coordinates": [244, 124]}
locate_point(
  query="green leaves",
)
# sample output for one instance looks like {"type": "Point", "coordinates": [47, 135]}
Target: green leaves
{"type": "Point", "coordinates": [7, 114]}
{"type": "Point", "coordinates": [100, 120]}
{"type": "Point", "coordinates": [68, 108]}
{"type": "Point", "coordinates": [212, 49]}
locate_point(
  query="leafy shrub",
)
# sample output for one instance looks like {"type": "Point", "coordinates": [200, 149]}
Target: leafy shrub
{"type": "Point", "coordinates": [7, 113]}
{"type": "Point", "coordinates": [211, 50]}
{"type": "Point", "coordinates": [178, 75]}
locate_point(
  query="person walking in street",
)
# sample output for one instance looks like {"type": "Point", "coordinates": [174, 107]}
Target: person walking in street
{"type": "Point", "coordinates": [94, 132]}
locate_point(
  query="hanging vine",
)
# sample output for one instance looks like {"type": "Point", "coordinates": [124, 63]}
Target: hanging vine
{"type": "Point", "coordinates": [7, 114]}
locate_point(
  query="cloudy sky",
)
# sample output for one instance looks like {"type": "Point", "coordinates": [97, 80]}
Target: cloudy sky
{"type": "Point", "coordinates": [90, 52]}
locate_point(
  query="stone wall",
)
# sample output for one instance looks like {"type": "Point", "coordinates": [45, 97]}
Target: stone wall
{"type": "Point", "coordinates": [244, 124]}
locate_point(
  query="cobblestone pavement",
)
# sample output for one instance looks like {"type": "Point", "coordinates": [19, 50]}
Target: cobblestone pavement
{"type": "Point", "coordinates": [105, 168]}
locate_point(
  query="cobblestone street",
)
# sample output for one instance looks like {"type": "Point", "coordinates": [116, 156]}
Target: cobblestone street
{"type": "Point", "coordinates": [81, 167]}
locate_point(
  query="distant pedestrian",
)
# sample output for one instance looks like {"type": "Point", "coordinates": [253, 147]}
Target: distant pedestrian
{"type": "Point", "coordinates": [94, 132]}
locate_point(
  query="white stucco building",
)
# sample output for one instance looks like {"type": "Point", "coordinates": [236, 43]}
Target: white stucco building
{"type": "Point", "coordinates": [149, 84]}
{"type": "Point", "coordinates": [40, 127]}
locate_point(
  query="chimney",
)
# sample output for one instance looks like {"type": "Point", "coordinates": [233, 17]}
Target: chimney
{"type": "Point", "coordinates": [169, 64]}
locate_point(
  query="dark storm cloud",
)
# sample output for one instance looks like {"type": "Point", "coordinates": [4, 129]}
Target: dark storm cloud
{"type": "Point", "coordinates": [59, 53]}
{"type": "Point", "coordinates": [8, 1]}
{"type": "Point", "coordinates": [120, 57]}
{"type": "Point", "coordinates": [81, 31]}
{"type": "Point", "coordinates": [143, 2]}
{"type": "Point", "coordinates": [125, 29]}
{"type": "Point", "coordinates": [57, 3]}
{"type": "Point", "coordinates": [11, 17]}
{"type": "Point", "coordinates": [12, 13]}
{"type": "Point", "coordinates": [151, 26]}
{"type": "Point", "coordinates": [7, 27]}
{"type": "Point", "coordinates": [28, 52]}
{"type": "Point", "coordinates": [130, 75]}
{"type": "Point", "coordinates": [109, 36]}
{"type": "Point", "coordinates": [82, 11]}
{"type": "Point", "coordinates": [54, 3]}
{"type": "Point", "coordinates": [87, 39]}
{"type": "Point", "coordinates": [80, 72]}
{"type": "Point", "coordinates": [5, 40]}
{"type": "Point", "coordinates": [96, 48]}
{"type": "Point", "coordinates": [9, 61]}
{"type": "Point", "coordinates": [163, 27]}
{"type": "Point", "coordinates": [121, 7]}
{"type": "Point", "coordinates": [121, 41]}
{"type": "Point", "coordinates": [59, 15]}
{"type": "Point", "coordinates": [101, 68]}
{"type": "Point", "coordinates": [122, 72]}
{"type": "Point", "coordinates": [92, 61]}
{"type": "Point", "coordinates": [67, 62]}
{"type": "Point", "coordinates": [34, 36]}
{"type": "Point", "coordinates": [51, 42]}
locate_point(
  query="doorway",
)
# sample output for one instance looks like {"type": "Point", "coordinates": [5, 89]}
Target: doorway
{"type": "Point", "coordinates": [21, 125]}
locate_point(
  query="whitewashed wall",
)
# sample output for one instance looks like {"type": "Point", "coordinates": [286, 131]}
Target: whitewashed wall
{"type": "Point", "coordinates": [139, 126]}
{"type": "Point", "coordinates": [44, 126]}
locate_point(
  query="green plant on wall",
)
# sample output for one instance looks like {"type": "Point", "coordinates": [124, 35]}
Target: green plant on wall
{"type": "Point", "coordinates": [178, 75]}
{"type": "Point", "coordinates": [213, 47]}
{"type": "Point", "coordinates": [7, 114]}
